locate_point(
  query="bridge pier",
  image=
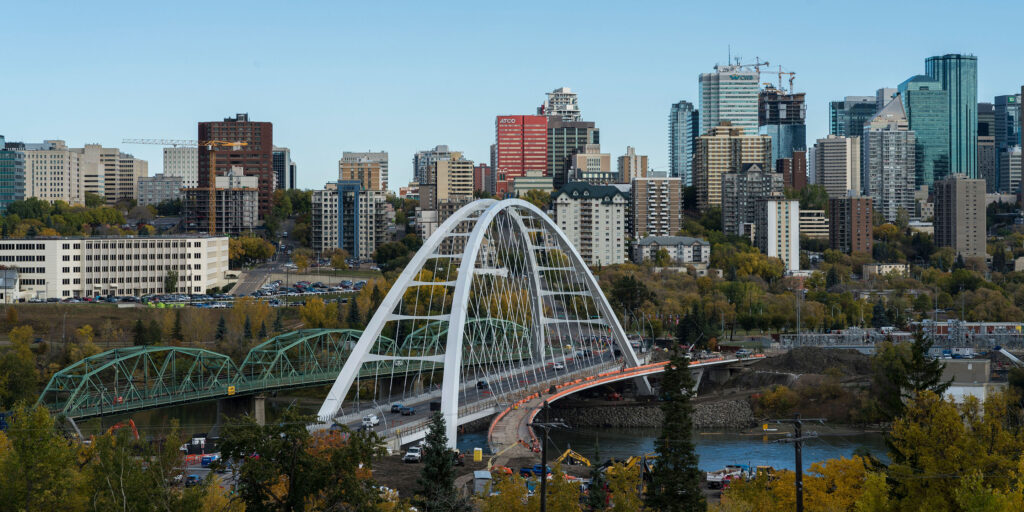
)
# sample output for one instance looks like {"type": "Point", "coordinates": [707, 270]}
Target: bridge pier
{"type": "Point", "coordinates": [697, 377]}
{"type": "Point", "coordinates": [249, 405]}
{"type": "Point", "coordinates": [259, 409]}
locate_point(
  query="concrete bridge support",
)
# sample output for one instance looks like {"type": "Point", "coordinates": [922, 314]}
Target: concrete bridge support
{"type": "Point", "coordinates": [232, 407]}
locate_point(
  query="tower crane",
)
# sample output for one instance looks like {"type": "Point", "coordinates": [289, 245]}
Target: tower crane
{"type": "Point", "coordinates": [791, 74]}
{"type": "Point", "coordinates": [211, 187]}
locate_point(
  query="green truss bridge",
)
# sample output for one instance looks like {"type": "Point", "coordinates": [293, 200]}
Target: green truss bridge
{"type": "Point", "coordinates": [130, 379]}
{"type": "Point", "coordinates": [136, 378]}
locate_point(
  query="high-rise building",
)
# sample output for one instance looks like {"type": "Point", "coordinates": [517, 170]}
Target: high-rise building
{"type": "Point", "coordinates": [109, 173]}
{"type": "Point", "coordinates": [565, 139]}
{"type": "Point", "coordinates": [725, 149]}
{"type": "Point", "coordinates": [561, 104]}
{"type": "Point", "coordinates": [1010, 170]}
{"type": "Point", "coordinates": [837, 165]}
{"type": "Point", "coordinates": [814, 224]}
{"type": "Point", "coordinates": [483, 179]}
{"type": "Point", "coordinates": [454, 179]}
{"type": "Point", "coordinates": [926, 104]}
{"type": "Point", "coordinates": [423, 161]}
{"type": "Point", "coordinates": [158, 188]}
{"type": "Point", "coordinates": [347, 216]}
{"type": "Point", "coordinates": [782, 117]}
{"type": "Point", "coordinates": [883, 96]}
{"type": "Point", "coordinates": [53, 172]}
{"type": "Point", "coordinates": [236, 207]}
{"type": "Point", "coordinates": [285, 169]}
{"type": "Point", "coordinates": [521, 146]}
{"type": "Point", "coordinates": [1006, 129]}
{"type": "Point", "coordinates": [589, 164]}
{"type": "Point", "coordinates": [183, 162]}
{"type": "Point", "coordinates": [593, 218]}
{"type": "Point", "coordinates": [740, 192]}
{"type": "Point", "coordinates": [380, 157]}
{"type": "Point", "coordinates": [12, 174]}
{"type": "Point", "coordinates": [366, 170]}
{"type": "Point", "coordinates": [850, 224]}
{"type": "Point", "coordinates": [988, 166]}
{"type": "Point", "coordinates": [960, 215]}
{"type": "Point", "coordinates": [632, 165]}
{"type": "Point", "coordinates": [683, 130]}
{"type": "Point", "coordinates": [656, 207]}
{"type": "Point", "coordinates": [256, 158]}
{"type": "Point", "coordinates": [794, 170]}
{"type": "Point", "coordinates": [847, 117]}
{"type": "Point", "coordinates": [777, 230]}
{"type": "Point", "coordinates": [730, 93]}
{"type": "Point", "coordinates": [958, 75]}
{"type": "Point", "coordinates": [888, 156]}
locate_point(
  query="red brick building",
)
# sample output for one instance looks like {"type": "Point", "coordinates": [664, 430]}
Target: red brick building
{"type": "Point", "coordinates": [850, 224]}
{"type": "Point", "coordinates": [794, 170]}
{"type": "Point", "coordinates": [256, 158]}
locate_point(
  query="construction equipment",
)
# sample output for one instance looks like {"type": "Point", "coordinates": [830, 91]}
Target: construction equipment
{"type": "Point", "coordinates": [119, 425]}
{"type": "Point", "coordinates": [211, 187]}
{"type": "Point", "coordinates": [792, 75]}
{"type": "Point", "coordinates": [573, 458]}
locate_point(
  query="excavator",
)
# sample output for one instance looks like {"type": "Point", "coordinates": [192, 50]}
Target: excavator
{"type": "Point", "coordinates": [571, 457]}
{"type": "Point", "coordinates": [119, 425]}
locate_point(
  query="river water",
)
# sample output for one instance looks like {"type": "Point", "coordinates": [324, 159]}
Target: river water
{"type": "Point", "coordinates": [715, 448]}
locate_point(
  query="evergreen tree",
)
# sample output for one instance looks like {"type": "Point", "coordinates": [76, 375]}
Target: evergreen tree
{"type": "Point", "coordinates": [695, 328]}
{"type": "Point", "coordinates": [139, 335]}
{"type": "Point", "coordinates": [176, 333]}
{"type": "Point", "coordinates": [597, 496]}
{"type": "Point", "coordinates": [376, 297]}
{"type": "Point", "coordinates": [278, 324]}
{"type": "Point", "coordinates": [831, 278]}
{"type": "Point", "coordinates": [222, 329]}
{"type": "Point", "coordinates": [263, 331]}
{"type": "Point", "coordinates": [437, 492]}
{"type": "Point", "coordinates": [247, 330]}
{"type": "Point", "coordinates": [675, 480]}
{"type": "Point", "coordinates": [901, 371]}
{"type": "Point", "coordinates": [154, 333]}
{"type": "Point", "coordinates": [958, 262]}
{"type": "Point", "coordinates": [355, 320]}
{"type": "Point", "coordinates": [879, 317]}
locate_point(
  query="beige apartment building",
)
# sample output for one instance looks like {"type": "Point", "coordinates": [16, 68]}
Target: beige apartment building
{"type": "Point", "coordinates": [53, 172]}
{"type": "Point", "coordinates": [960, 215]}
{"type": "Point", "coordinates": [364, 170]}
{"type": "Point", "coordinates": [725, 149]}
{"type": "Point", "coordinates": [632, 165]}
{"type": "Point", "coordinates": [837, 165]}
{"type": "Point", "coordinates": [657, 207]}
{"type": "Point", "coordinates": [593, 218]}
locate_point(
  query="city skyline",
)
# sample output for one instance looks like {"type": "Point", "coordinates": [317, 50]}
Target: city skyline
{"type": "Point", "coordinates": [298, 72]}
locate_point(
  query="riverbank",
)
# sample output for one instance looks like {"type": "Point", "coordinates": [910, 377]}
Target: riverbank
{"type": "Point", "coordinates": [725, 414]}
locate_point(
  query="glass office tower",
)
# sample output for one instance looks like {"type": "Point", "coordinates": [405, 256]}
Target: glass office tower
{"type": "Point", "coordinates": [958, 75]}
{"type": "Point", "coordinates": [683, 130]}
{"type": "Point", "coordinates": [927, 108]}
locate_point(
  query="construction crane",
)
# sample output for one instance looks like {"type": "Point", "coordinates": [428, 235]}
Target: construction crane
{"type": "Point", "coordinates": [211, 187]}
{"type": "Point", "coordinates": [791, 74]}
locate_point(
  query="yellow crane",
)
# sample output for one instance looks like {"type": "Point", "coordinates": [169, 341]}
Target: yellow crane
{"type": "Point", "coordinates": [572, 457]}
{"type": "Point", "coordinates": [211, 187]}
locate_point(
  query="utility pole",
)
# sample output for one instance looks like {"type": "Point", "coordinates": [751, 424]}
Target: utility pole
{"type": "Point", "coordinates": [547, 425]}
{"type": "Point", "coordinates": [798, 440]}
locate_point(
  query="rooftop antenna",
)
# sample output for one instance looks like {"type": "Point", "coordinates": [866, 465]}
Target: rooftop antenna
{"type": "Point", "coordinates": [729, 61]}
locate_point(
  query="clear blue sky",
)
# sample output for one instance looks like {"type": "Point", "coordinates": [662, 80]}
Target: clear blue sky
{"type": "Point", "coordinates": [404, 76]}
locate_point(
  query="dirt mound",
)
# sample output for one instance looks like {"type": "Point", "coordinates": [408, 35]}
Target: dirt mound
{"type": "Point", "coordinates": [817, 360]}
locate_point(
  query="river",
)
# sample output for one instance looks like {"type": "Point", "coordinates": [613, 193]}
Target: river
{"type": "Point", "coordinates": [715, 448]}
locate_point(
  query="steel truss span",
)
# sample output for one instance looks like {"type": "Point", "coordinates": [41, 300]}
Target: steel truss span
{"type": "Point", "coordinates": [496, 302]}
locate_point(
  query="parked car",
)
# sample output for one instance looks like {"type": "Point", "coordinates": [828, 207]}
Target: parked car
{"type": "Point", "coordinates": [414, 454]}
{"type": "Point", "coordinates": [371, 420]}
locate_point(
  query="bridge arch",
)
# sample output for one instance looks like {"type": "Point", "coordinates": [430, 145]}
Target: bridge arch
{"type": "Point", "coordinates": [506, 262]}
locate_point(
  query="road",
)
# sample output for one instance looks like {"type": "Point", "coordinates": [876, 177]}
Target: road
{"type": "Point", "coordinates": [251, 280]}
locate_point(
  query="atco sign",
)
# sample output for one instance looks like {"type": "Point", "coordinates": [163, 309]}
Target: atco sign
{"type": "Point", "coordinates": [507, 120]}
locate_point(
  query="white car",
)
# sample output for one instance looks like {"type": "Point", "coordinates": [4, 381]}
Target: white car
{"type": "Point", "coordinates": [371, 420]}
{"type": "Point", "coordinates": [414, 454]}
{"type": "Point", "coordinates": [558, 366]}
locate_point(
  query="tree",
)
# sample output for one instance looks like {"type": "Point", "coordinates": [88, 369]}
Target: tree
{"type": "Point", "coordinates": [222, 329]}
{"type": "Point", "coordinates": [139, 334]}
{"type": "Point", "coordinates": [247, 330]}
{"type": "Point", "coordinates": [675, 480]}
{"type": "Point", "coordinates": [436, 490]}
{"type": "Point", "coordinates": [696, 328]}
{"type": "Point", "coordinates": [629, 293]}
{"type": "Point", "coordinates": [295, 469]}
{"type": "Point", "coordinates": [154, 333]}
{"type": "Point", "coordinates": [18, 376]}
{"type": "Point", "coordinates": [625, 485]}
{"type": "Point", "coordinates": [176, 331]}
{"type": "Point", "coordinates": [171, 281]}
{"type": "Point", "coordinates": [597, 494]}
{"type": "Point", "coordinates": [539, 198]}
{"type": "Point", "coordinates": [94, 200]}
{"type": "Point", "coordinates": [901, 371]}
{"type": "Point", "coordinates": [263, 331]}
{"type": "Point", "coordinates": [662, 258]}
{"type": "Point", "coordinates": [278, 324]}
{"type": "Point", "coordinates": [879, 318]}
{"type": "Point", "coordinates": [39, 466]}
{"type": "Point", "coordinates": [314, 313]}
{"type": "Point", "coordinates": [354, 320]}
{"type": "Point", "coordinates": [338, 259]}
{"type": "Point", "coordinates": [303, 259]}
{"type": "Point", "coordinates": [508, 494]}
{"type": "Point", "coordinates": [376, 297]}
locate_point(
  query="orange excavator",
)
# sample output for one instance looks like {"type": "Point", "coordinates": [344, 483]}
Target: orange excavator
{"type": "Point", "coordinates": [119, 425]}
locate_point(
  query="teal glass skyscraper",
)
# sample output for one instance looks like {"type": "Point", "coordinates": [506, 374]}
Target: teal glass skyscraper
{"type": "Point", "coordinates": [12, 173]}
{"type": "Point", "coordinates": [927, 108]}
{"type": "Point", "coordinates": [958, 75]}
{"type": "Point", "coordinates": [683, 130]}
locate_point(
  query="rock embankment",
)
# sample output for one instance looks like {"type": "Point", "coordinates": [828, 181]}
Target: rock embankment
{"type": "Point", "coordinates": [731, 414]}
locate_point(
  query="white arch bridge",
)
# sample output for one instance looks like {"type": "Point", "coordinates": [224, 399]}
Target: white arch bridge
{"type": "Point", "coordinates": [496, 305]}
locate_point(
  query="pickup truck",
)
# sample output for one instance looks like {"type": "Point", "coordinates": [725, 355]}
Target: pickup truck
{"type": "Point", "coordinates": [371, 420]}
{"type": "Point", "coordinates": [537, 469]}
{"type": "Point", "coordinates": [415, 454]}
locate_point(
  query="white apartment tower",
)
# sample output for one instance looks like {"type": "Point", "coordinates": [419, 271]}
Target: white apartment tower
{"type": "Point", "coordinates": [182, 162]}
{"type": "Point", "coordinates": [777, 231]}
{"type": "Point", "coordinates": [593, 217]}
{"type": "Point", "coordinates": [53, 173]}
{"type": "Point", "coordinates": [837, 164]}
{"type": "Point", "coordinates": [730, 93]}
{"type": "Point", "coordinates": [561, 103]}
